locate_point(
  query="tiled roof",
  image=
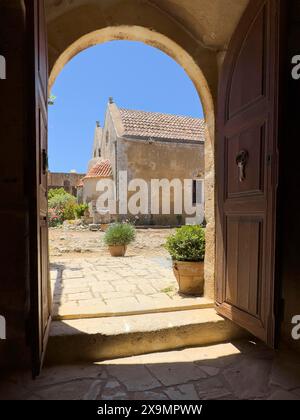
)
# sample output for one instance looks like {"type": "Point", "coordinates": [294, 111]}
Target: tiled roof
{"type": "Point", "coordinates": [102, 169]}
{"type": "Point", "coordinates": [162, 126]}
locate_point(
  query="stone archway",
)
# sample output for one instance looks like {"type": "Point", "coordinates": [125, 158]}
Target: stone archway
{"type": "Point", "coordinates": [135, 33]}
{"type": "Point", "coordinates": [195, 36]}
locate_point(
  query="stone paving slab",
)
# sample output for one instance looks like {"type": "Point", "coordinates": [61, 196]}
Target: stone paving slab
{"type": "Point", "coordinates": [176, 376]}
{"type": "Point", "coordinates": [107, 286]}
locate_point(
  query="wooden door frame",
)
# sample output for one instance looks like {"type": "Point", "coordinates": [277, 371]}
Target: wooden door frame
{"type": "Point", "coordinates": [33, 327]}
{"type": "Point", "coordinates": [33, 211]}
{"type": "Point", "coordinates": [32, 193]}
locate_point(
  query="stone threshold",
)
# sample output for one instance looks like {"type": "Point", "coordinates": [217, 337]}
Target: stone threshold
{"type": "Point", "coordinates": [107, 338]}
{"type": "Point", "coordinates": [87, 310]}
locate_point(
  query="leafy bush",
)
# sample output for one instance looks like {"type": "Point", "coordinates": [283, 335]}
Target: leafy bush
{"type": "Point", "coordinates": [187, 244]}
{"type": "Point", "coordinates": [80, 210]}
{"type": "Point", "coordinates": [61, 206]}
{"type": "Point", "coordinates": [60, 200]}
{"type": "Point", "coordinates": [69, 210]}
{"type": "Point", "coordinates": [119, 234]}
{"type": "Point", "coordinates": [53, 192]}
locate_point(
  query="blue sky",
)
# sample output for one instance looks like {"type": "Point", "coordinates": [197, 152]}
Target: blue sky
{"type": "Point", "coordinates": [135, 75]}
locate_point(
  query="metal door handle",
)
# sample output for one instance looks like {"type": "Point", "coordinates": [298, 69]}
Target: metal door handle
{"type": "Point", "coordinates": [242, 161]}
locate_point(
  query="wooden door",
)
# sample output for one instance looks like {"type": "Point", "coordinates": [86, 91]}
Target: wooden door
{"type": "Point", "coordinates": [247, 172]}
{"type": "Point", "coordinates": [40, 283]}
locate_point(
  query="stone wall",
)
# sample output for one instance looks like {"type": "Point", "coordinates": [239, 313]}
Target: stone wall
{"type": "Point", "coordinates": [160, 160]}
{"type": "Point", "coordinates": [90, 192]}
{"type": "Point", "coordinates": [68, 181]}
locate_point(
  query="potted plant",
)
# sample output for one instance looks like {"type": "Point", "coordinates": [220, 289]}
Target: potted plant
{"type": "Point", "coordinates": [117, 237]}
{"type": "Point", "coordinates": [187, 249]}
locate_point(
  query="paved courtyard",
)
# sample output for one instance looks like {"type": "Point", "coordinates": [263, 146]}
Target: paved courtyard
{"type": "Point", "coordinates": [106, 286]}
{"type": "Point", "coordinates": [92, 283]}
{"type": "Point", "coordinates": [233, 371]}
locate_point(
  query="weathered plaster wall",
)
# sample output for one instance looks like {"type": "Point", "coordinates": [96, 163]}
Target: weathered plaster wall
{"type": "Point", "coordinates": [200, 28]}
{"type": "Point", "coordinates": [160, 160]}
{"type": "Point", "coordinates": [90, 190]}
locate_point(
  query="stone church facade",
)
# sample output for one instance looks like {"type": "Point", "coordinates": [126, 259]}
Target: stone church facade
{"type": "Point", "coordinates": [146, 146]}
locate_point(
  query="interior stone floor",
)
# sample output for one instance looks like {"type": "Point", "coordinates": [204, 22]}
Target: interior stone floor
{"type": "Point", "coordinates": [104, 285]}
{"type": "Point", "coordinates": [240, 370]}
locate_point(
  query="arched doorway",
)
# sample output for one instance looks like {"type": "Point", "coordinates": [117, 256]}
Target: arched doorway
{"type": "Point", "coordinates": [169, 47]}
{"type": "Point", "coordinates": [195, 35]}
{"type": "Point", "coordinates": [258, 21]}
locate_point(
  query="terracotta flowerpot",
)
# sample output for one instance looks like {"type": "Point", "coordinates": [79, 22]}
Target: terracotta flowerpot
{"type": "Point", "coordinates": [117, 250]}
{"type": "Point", "coordinates": [190, 277]}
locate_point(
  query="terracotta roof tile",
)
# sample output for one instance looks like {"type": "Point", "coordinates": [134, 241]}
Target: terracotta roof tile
{"type": "Point", "coordinates": [162, 126]}
{"type": "Point", "coordinates": [100, 170]}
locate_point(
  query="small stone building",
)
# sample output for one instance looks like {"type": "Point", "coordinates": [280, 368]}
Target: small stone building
{"type": "Point", "coordinates": [148, 146]}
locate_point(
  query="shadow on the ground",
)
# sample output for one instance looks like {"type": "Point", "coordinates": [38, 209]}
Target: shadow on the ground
{"type": "Point", "coordinates": [241, 370]}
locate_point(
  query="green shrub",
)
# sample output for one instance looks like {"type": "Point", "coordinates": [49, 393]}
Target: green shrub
{"type": "Point", "coordinates": [61, 200]}
{"type": "Point", "coordinates": [119, 234]}
{"type": "Point", "coordinates": [69, 211]}
{"type": "Point", "coordinates": [187, 244]}
{"type": "Point", "coordinates": [62, 203]}
{"type": "Point", "coordinates": [80, 210]}
{"type": "Point", "coordinates": [53, 192]}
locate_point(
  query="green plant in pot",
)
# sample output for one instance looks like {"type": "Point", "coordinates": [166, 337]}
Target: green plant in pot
{"type": "Point", "coordinates": [187, 249]}
{"type": "Point", "coordinates": [118, 237]}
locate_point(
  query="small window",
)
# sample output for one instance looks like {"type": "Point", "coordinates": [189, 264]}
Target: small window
{"type": "Point", "coordinates": [197, 192]}
{"type": "Point", "coordinates": [107, 137]}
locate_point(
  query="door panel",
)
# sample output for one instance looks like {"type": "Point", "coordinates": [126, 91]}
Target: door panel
{"type": "Point", "coordinates": [40, 282]}
{"type": "Point", "coordinates": [243, 280]}
{"type": "Point", "coordinates": [249, 68]}
{"type": "Point", "coordinates": [246, 171]}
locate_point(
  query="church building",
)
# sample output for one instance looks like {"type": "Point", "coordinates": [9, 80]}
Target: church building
{"type": "Point", "coordinates": [147, 146]}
